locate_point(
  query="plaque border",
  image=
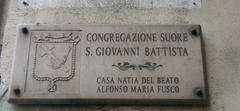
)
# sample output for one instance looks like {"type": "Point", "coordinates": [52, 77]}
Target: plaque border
{"type": "Point", "coordinates": [17, 91]}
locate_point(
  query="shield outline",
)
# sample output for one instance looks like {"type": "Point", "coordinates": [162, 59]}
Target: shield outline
{"type": "Point", "coordinates": [70, 39]}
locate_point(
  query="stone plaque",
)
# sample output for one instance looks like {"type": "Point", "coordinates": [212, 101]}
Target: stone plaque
{"type": "Point", "coordinates": [109, 64]}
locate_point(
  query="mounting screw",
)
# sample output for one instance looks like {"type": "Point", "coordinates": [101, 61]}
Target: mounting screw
{"type": "Point", "coordinates": [25, 30]}
{"type": "Point", "coordinates": [17, 91]}
{"type": "Point", "coordinates": [25, 3]}
{"type": "Point", "coordinates": [194, 3]}
{"type": "Point", "coordinates": [198, 92]}
{"type": "Point", "coordinates": [194, 32]}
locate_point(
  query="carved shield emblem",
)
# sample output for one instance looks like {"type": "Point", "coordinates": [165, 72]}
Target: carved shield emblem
{"type": "Point", "coordinates": [55, 55]}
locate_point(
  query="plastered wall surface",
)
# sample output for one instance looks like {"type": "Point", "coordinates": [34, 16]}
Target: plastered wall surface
{"type": "Point", "coordinates": [220, 21]}
{"type": "Point", "coordinates": [3, 16]}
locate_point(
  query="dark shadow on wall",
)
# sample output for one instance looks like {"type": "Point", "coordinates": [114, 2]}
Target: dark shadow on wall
{"type": "Point", "coordinates": [3, 17]}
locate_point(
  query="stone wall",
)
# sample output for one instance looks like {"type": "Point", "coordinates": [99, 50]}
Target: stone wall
{"type": "Point", "coordinates": [220, 21]}
{"type": "Point", "coordinates": [3, 17]}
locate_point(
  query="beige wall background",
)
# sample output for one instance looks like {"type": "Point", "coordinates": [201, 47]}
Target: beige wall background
{"type": "Point", "coordinates": [220, 21]}
{"type": "Point", "coordinates": [3, 13]}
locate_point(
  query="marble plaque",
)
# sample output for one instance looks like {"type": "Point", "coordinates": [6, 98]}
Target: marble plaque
{"type": "Point", "coordinates": [109, 64]}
